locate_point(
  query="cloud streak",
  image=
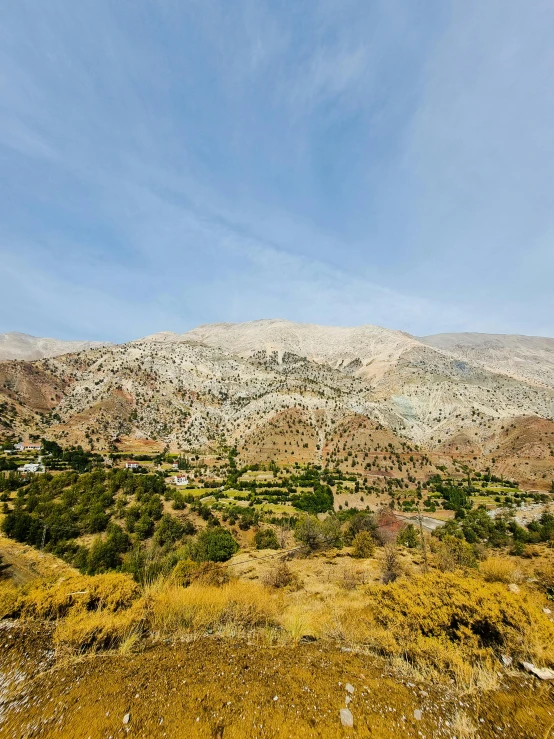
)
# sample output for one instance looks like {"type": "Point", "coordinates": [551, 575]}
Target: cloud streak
{"type": "Point", "coordinates": [356, 163]}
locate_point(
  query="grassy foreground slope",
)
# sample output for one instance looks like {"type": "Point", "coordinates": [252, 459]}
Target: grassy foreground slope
{"type": "Point", "coordinates": [262, 647]}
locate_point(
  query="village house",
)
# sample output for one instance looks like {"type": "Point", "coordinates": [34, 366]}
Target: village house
{"type": "Point", "coordinates": [132, 465]}
{"type": "Point", "coordinates": [33, 468]}
{"type": "Point", "coordinates": [21, 447]}
{"type": "Point", "coordinates": [180, 480]}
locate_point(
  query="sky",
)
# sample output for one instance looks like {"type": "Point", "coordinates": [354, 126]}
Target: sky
{"type": "Point", "coordinates": [168, 163]}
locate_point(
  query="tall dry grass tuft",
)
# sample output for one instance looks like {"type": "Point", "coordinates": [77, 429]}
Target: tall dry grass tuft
{"type": "Point", "coordinates": [242, 605]}
{"type": "Point", "coordinates": [10, 595]}
{"type": "Point", "coordinates": [499, 569]}
{"type": "Point", "coordinates": [57, 599]}
{"type": "Point", "coordinates": [463, 726]}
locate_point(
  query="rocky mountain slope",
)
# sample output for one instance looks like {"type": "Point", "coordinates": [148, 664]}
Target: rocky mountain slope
{"type": "Point", "coordinates": [524, 357]}
{"type": "Point", "coordinates": [367, 351]}
{"type": "Point", "coordinates": [15, 345]}
{"type": "Point", "coordinates": [282, 390]}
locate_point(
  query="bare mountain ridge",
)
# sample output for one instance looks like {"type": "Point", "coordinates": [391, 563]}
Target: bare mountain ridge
{"type": "Point", "coordinates": [15, 345]}
{"type": "Point", "coordinates": [375, 349]}
{"type": "Point", "coordinates": [525, 357]}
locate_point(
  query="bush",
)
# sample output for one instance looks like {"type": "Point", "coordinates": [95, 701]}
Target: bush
{"type": "Point", "coordinates": [213, 545]}
{"type": "Point", "coordinates": [309, 531]}
{"type": "Point", "coordinates": [408, 537]}
{"type": "Point", "coordinates": [168, 530]}
{"type": "Point", "coordinates": [112, 592]}
{"type": "Point", "coordinates": [453, 553]}
{"type": "Point", "coordinates": [496, 569]}
{"type": "Point", "coordinates": [391, 567]}
{"type": "Point", "coordinates": [429, 615]}
{"type": "Point", "coordinates": [363, 545]}
{"type": "Point", "coordinates": [280, 575]}
{"type": "Point", "coordinates": [184, 572]}
{"type": "Point", "coordinates": [266, 539]}
{"type": "Point", "coordinates": [360, 522]}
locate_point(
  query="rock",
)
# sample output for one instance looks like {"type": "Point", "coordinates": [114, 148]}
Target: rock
{"type": "Point", "coordinates": [513, 587]}
{"type": "Point", "coordinates": [347, 699]}
{"type": "Point", "coordinates": [507, 660]}
{"type": "Point", "coordinates": [417, 714]}
{"type": "Point", "coordinates": [547, 611]}
{"type": "Point", "coordinates": [307, 638]}
{"type": "Point", "coordinates": [346, 717]}
{"type": "Point", "coordinates": [349, 688]}
{"type": "Point", "coordinates": [544, 673]}
{"type": "Point", "coordinates": [126, 718]}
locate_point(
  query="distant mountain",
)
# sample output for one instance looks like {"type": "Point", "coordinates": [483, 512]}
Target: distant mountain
{"type": "Point", "coordinates": [15, 345]}
{"type": "Point", "coordinates": [525, 357]}
{"type": "Point", "coordinates": [294, 392]}
{"type": "Point", "coordinates": [366, 350]}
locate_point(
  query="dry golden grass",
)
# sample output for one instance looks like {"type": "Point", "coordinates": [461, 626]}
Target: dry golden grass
{"type": "Point", "coordinates": [85, 630]}
{"type": "Point", "coordinates": [9, 596]}
{"type": "Point", "coordinates": [500, 569]}
{"type": "Point", "coordinates": [449, 625]}
{"type": "Point", "coordinates": [243, 605]}
{"type": "Point", "coordinates": [451, 622]}
{"type": "Point", "coordinates": [53, 600]}
{"type": "Point", "coordinates": [463, 726]}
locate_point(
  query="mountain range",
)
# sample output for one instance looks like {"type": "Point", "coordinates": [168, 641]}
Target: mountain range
{"type": "Point", "coordinates": [276, 388]}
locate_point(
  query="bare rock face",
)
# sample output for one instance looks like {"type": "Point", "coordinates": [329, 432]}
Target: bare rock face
{"type": "Point", "coordinates": [370, 348]}
{"type": "Point", "coordinates": [15, 345]}
{"type": "Point", "coordinates": [528, 358]}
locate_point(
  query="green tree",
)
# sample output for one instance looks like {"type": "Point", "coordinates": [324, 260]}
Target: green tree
{"type": "Point", "coordinates": [266, 539]}
{"type": "Point", "coordinates": [309, 531]}
{"type": "Point", "coordinates": [213, 545]}
{"type": "Point", "coordinates": [408, 537]}
{"type": "Point", "coordinates": [363, 545]}
{"type": "Point", "coordinates": [168, 530]}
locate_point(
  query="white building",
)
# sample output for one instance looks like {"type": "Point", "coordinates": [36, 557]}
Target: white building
{"type": "Point", "coordinates": [180, 480]}
{"type": "Point", "coordinates": [21, 447]}
{"type": "Point", "coordinates": [131, 465]}
{"type": "Point", "coordinates": [34, 468]}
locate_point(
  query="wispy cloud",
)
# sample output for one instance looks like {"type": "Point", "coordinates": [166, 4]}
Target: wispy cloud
{"type": "Point", "coordinates": [344, 163]}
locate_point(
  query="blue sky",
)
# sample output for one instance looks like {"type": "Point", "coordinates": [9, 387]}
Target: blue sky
{"type": "Point", "coordinates": [166, 163]}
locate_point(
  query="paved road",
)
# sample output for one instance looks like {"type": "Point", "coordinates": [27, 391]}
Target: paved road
{"type": "Point", "coordinates": [428, 523]}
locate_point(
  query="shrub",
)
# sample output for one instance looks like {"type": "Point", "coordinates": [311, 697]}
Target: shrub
{"type": "Point", "coordinates": [452, 553]}
{"type": "Point", "coordinates": [213, 545]}
{"type": "Point", "coordinates": [391, 567]}
{"type": "Point", "coordinates": [309, 531]}
{"type": "Point", "coordinates": [408, 537]}
{"type": "Point", "coordinates": [331, 530]}
{"type": "Point", "coordinates": [417, 616]}
{"type": "Point", "coordinates": [360, 522]}
{"type": "Point", "coordinates": [168, 530]}
{"type": "Point", "coordinates": [185, 572]}
{"type": "Point", "coordinates": [280, 575]}
{"type": "Point", "coordinates": [496, 569]}
{"type": "Point", "coordinates": [112, 592]}
{"type": "Point", "coordinates": [266, 539]}
{"type": "Point", "coordinates": [363, 545]}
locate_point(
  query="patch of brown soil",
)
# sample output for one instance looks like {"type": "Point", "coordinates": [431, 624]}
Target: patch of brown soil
{"type": "Point", "coordinates": [220, 689]}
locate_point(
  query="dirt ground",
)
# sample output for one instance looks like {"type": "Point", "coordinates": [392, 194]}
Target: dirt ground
{"type": "Point", "coordinates": [27, 563]}
{"type": "Point", "coordinates": [223, 689]}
